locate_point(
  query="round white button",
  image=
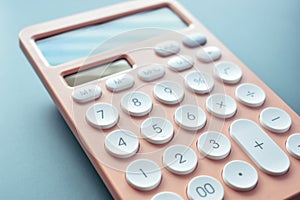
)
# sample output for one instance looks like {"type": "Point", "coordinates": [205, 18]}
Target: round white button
{"type": "Point", "coordinates": [167, 196]}
{"type": "Point", "coordinates": [168, 92]}
{"type": "Point", "coordinates": [180, 63]}
{"type": "Point", "coordinates": [143, 174]}
{"type": "Point", "coordinates": [190, 117]}
{"type": "Point", "coordinates": [199, 82]}
{"type": "Point", "coordinates": [136, 103]}
{"type": "Point", "coordinates": [250, 95]}
{"type": "Point", "coordinates": [121, 143]}
{"type": "Point", "coordinates": [214, 145]}
{"type": "Point", "coordinates": [102, 115]}
{"type": "Point", "coordinates": [240, 175]}
{"type": "Point", "coordinates": [194, 40]}
{"type": "Point", "coordinates": [293, 145]}
{"type": "Point", "coordinates": [206, 188]}
{"type": "Point", "coordinates": [180, 159]}
{"type": "Point", "coordinates": [275, 120]}
{"type": "Point", "coordinates": [228, 72]}
{"type": "Point", "coordinates": [221, 105]}
{"type": "Point", "coordinates": [157, 130]}
{"type": "Point", "coordinates": [208, 54]}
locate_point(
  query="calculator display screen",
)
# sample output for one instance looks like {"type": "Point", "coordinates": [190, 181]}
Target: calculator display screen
{"type": "Point", "coordinates": [82, 42]}
{"type": "Point", "coordinates": [97, 72]}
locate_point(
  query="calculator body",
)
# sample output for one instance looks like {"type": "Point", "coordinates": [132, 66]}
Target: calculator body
{"type": "Point", "coordinates": [112, 169]}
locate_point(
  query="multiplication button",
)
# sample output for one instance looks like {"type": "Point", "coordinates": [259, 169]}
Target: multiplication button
{"type": "Point", "coordinates": [221, 105]}
{"type": "Point", "coordinates": [293, 145]}
{"type": "Point", "coordinates": [143, 174]}
{"type": "Point", "coordinates": [275, 120]}
{"type": "Point", "coordinates": [250, 95]}
{"type": "Point", "coordinates": [205, 188]}
{"type": "Point", "coordinates": [240, 175]}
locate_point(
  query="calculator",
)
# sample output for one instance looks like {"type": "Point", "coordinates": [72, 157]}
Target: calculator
{"type": "Point", "coordinates": [162, 108]}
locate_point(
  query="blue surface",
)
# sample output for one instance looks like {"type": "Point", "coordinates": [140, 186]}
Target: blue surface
{"type": "Point", "coordinates": [41, 159]}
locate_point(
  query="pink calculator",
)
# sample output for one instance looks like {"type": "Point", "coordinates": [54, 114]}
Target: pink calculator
{"type": "Point", "coordinates": [162, 108]}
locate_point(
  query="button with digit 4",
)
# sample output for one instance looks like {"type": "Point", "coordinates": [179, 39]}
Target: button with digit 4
{"type": "Point", "coordinates": [228, 72]}
{"type": "Point", "coordinates": [180, 159]}
{"type": "Point", "coordinates": [214, 145]}
{"type": "Point", "coordinates": [199, 82]}
{"type": "Point", "coordinates": [206, 188]}
{"type": "Point", "coordinates": [293, 145]}
{"type": "Point", "coordinates": [121, 143]}
{"type": "Point", "coordinates": [136, 103]}
{"type": "Point", "coordinates": [168, 92]}
{"type": "Point", "coordinates": [143, 174]}
{"type": "Point", "coordinates": [250, 95]}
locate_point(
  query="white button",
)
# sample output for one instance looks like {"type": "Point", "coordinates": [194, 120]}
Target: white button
{"type": "Point", "coordinates": [214, 145]}
{"type": "Point", "coordinates": [228, 72]}
{"type": "Point", "coordinates": [168, 92]}
{"type": "Point", "coordinates": [240, 175]}
{"type": "Point", "coordinates": [221, 105]}
{"type": "Point", "coordinates": [157, 130]}
{"type": "Point", "coordinates": [293, 145]}
{"type": "Point", "coordinates": [151, 72]}
{"type": "Point", "coordinates": [258, 145]}
{"type": "Point", "coordinates": [102, 115]}
{"type": "Point", "coordinates": [190, 117]}
{"type": "Point", "coordinates": [275, 120]}
{"type": "Point", "coordinates": [206, 188]}
{"type": "Point", "coordinates": [208, 54]}
{"type": "Point", "coordinates": [86, 93]}
{"type": "Point", "coordinates": [250, 95]}
{"type": "Point", "coordinates": [167, 196]}
{"type": "Point", "coordinates": [194, 40]}
{"type": "Point", "coordinates": [199, 82]}
{"type": "Point", "coordinates": [119, 83]}
{"type": "Point", "coordinates": [143, 174]}
{"type": "Point", "coordinates": [180, 63]}
{"type": "Point", "coordinates": [167, 48]}
{"type": "Point", "coordinates": [136, 103]}
{"type": "Point", "coordinates": [121, 143]}
{"type": "Point", "coordinates": [180, 159]}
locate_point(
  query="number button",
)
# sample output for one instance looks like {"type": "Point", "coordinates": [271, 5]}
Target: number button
{"type": "Point", "coordinates": [214, 145]}
{"type": "Point", "coordinates": [293, 145]}
{"type": "Point", "coordinates": [121, 143]}
{"type": "Point", "coordinates": [221, 105]}
{"type": "Point", "coordinates": [250, 95]}
{"type": "Point", "coordinates": [275, 120]}
{"type": "Point", "coordinates": [168, 92]}
{"type": "Point", "coordinates": [102, 115]}
{"type": "Point", "coordinates": [228, 72]}
{"type": "Point", "coordinates": [86, 93]}
{"type": "Point", "coordinates": [209, 54]}
{"type": "Point", "coordinates": [157, 130]}
{"type": "Point", "coordinates": [180, 159]}
{"type": "Point", "coordinates": [205, 187]}
{"type": "Point", "coordinates": [167, 48]}
{"type": "Point", "coordinates": [180, 63]}
{"type": "Point", "coordinates": [167, 196]}
{"type": "Point", "coordinates": [136, 103]}
{"type": "Point", "coordinates": [143, 174]}
{"type": "Point", "coordinates": [190, 117]}
{"type": "Point", "coordinates": [199, 82]}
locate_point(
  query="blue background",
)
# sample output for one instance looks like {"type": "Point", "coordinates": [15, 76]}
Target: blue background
{"type": "Point", "coordinates": [39, 156]}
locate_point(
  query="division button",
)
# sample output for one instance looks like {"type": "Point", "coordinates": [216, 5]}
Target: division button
{"type": "Point", "coordinates": [151, 72]}
{"type": "Point", "coordinates": [180, 63]}
{"type": "Point", "coordinates": [194, 40]}
{"type": "Point", "coordinates": [168, 92]}
{"type": "Point", "coordinates": [157, 130]}
{"type": "Point", "coordinates": [190, 117]}
{"type": "Point", "coordinates": [102, 115]}
{"type": "Point", "coordinates": [167, 196]}
{"type": "Point", "coordinates": [214, 145]}
{"type": "Point", "coordinates": [167, 48]}
{"type": "Point", "coordinates": [275, 120]}
{"type": "Point", "coordinates": [221, 105]}
{"type": "Point", "coordinates": [205, 188]}
{"type": "Point", "coordinates": [293, 145]}
{"type": "Point", "coordinates": [136, 103]}
{"type": "Point", "coordinates": [199, 82]}
{"type": "Point", "coordinates": [258, 145]}
{"type": "Point", "coordinates": [208, 54]}
{"type": "Point", "coordinates": [240, 175]}
{"type": "Point", "coordinates": [121, 143]}
{"type": "Point", "coordinates": [120, 83]}
{"type": "Point", "coordinates": [86, 93]}
{"type": "Point", "coordinates": [250, 95]}
{"type": "Point", "coordinates": [143, 174]}
{"type": "Point", "coordinates": [228, 72]}
{"type": "Point", "coordinates": [180, 159]}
